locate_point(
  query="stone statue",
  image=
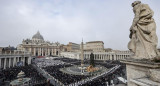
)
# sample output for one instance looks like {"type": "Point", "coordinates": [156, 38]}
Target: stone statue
{"type": "Point", "coordinates": [143, 36]}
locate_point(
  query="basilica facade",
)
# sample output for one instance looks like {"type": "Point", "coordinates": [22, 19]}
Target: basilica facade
{"type": "Point", "coordinates": [37, 46]}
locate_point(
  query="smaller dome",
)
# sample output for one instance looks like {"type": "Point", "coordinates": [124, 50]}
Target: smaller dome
{"type": "Point", "coordinates": [37, 36]}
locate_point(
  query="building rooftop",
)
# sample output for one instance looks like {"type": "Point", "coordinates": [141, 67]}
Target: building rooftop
{"type": "Point", "coordinates": [95, 42]}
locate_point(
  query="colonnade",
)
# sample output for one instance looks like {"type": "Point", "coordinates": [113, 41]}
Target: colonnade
{"type": "Point", "coordinates": [7, 61]}
{"type": "Point", "coordinates": [108, 56]}
{"type": "Point", "coordinates": [98, 55]}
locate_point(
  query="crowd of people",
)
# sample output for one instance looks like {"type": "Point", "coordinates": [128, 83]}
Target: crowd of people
{"type": "Point", "coordinates": [63, 77]}
{"type": "Point", "coordinates": [10, 74]}
{"type": "Point", "coordinates": [54, 70]}
{"type": "Point", "coordinates": [53, 66]}
{"type": "Point", "coordinates": [109, 79]}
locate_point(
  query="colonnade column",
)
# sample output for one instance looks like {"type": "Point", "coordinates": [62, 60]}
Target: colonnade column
{"type": "Point", "coordinates": [4, 63]}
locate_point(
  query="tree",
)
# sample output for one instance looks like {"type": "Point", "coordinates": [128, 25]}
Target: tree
{"type": "Point", "coordinates": [92, 59]}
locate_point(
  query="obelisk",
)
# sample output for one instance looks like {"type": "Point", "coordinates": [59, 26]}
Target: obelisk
{"type": "Point", "coordinates": [82, 58]}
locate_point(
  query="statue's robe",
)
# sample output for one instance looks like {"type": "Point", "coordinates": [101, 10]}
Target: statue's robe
{"type": "Point", "coordinates": [144, 40]}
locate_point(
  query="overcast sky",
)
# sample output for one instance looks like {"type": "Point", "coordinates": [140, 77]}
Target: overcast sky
{"type": "Point", "coordinates": [70, 21]}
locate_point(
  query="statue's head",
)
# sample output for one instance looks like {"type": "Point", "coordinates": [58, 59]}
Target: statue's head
{"type": "Point", "coordinates": [135, 3]}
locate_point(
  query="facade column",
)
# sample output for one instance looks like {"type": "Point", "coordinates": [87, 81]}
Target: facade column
{"type": "Point", "coordinates": [14, 61]}
{"type": "Point", "coordinates": [107, 57]}
{"type": "Point", "coordinates": [42, 52]}
{"type": "Point", "coordinates": [52, 51]}
{"type": "Point", "coordinates": [88, 56]}
{"type": "Point", "coordinates": [103, 57]}
{"type": "Point", "coordinates": [38, 51]}
{"type": "Point", "coordinates": [48, 51]}
{"type": "Point", "coordinates": [18, 59]}
{"type": "Point", "coordinates": [117, 57]}
{"type": "Point", "coordinates": [110, 56]}
{"type": "Point", "coordinates": [14, 52]}
{"type": "Point", "coordinates": [100, 56]}
{"type": "Point", "coordinates": [9, 62]}
{"type": "Point", "coordinates": [23, 59]}
{"type": "Point", "coordinates": [0, 63]}
{"type": "Point", "coordinates": [4, 63]}
{"type": "Point", "coordinates": [114, 57]}
{"type": "Point", "coordinates": [34, 52]}
{"type": "Point", "coordinates": [55, 51]}
{"type": "Point", "coordinates": [30, 49]}
{"type": "Point", "coordinates": [10, 52]}
{"type": "Point", "coordinates": [29, 60]}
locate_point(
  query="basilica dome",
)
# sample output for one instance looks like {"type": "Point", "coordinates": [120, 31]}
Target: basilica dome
{"type": "Point", "coordinates": [37, 36]}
